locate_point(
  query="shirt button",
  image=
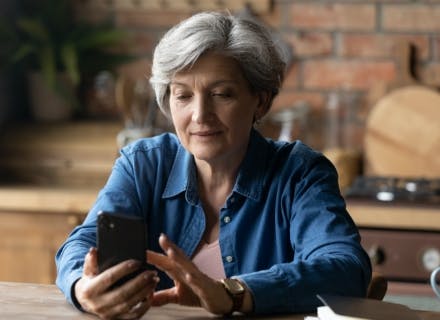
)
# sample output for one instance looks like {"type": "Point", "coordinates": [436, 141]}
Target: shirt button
{"type": "Point", "coordinates": [227, 219]}
{"type": "Point", "coordinates": [229, 258]}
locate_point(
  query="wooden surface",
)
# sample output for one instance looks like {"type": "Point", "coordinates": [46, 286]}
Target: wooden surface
{"type": "Point", "coordinates": [29, 241]}
{"type": "Point", "coordinates": [77, 153]}
{"type": "Point", "coordinates": [33, 301]}
{"type": "Point", "coordinates": [402, 135]}
{"type": "Point", "coordinates": [392, 216]}
{"type": "Point", "coordinates": [57, 199]}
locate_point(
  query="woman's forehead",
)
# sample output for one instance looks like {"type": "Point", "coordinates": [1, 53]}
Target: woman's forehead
{"type": "Point", "coordinates": [213, 66]}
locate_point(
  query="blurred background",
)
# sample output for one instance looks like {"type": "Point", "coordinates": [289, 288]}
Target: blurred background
{"type": "Point", "coordinates": [361, 86]}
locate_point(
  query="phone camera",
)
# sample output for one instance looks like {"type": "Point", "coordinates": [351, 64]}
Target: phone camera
{"type": "Point", "coordinates": [106, 223]}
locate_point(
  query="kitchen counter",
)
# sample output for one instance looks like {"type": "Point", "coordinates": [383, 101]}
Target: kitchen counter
{"type": "Point", "coordinates": [394, 216]}
{"type": "Point", "coordinates": [60, 199]}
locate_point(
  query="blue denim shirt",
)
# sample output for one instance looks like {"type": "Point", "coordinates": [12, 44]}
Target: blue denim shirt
{"type": "Point", "coordinates": [284, 229]}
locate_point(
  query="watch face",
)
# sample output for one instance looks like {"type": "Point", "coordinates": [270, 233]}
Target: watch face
{"type": "Point", "coordinates": [234, 286]}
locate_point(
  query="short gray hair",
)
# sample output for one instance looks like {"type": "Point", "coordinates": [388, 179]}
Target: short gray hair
{"type": "Point", "coordinates": [249, 43]}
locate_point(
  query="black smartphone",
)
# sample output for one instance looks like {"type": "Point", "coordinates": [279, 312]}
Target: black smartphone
{"type": "Point", "coordinates": [120, 237]}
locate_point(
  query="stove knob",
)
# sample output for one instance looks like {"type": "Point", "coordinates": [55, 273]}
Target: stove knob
{"type": "Point", "coordinates": [430, 259]}
{"type": "Point", "coordinates": [377, 255]}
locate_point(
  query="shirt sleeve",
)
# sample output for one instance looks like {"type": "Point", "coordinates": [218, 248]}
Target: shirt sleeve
{"type": "Point", "coordinates": [118, 195]}
{"type": "Point", "coordinates": [328, 257]}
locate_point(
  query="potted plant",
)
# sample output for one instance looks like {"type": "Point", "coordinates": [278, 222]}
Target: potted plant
{"type": "Point", "coordinates": [59, 53]}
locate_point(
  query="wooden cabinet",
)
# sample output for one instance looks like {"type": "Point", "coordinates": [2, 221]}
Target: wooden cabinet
{"type": "Point", "coordinates": [34, 222]}
{"type": "Point", "coordinates": [29, 241]}
{"type": "Point", "coordinates": [49, 178]}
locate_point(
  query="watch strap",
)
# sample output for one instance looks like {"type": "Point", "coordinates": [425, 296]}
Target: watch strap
{"type": "Point", "coordinates": [237, 295]}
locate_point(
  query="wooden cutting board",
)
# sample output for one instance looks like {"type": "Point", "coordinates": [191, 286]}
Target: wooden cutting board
{"type": "Point", "coordinates": [402, 136]}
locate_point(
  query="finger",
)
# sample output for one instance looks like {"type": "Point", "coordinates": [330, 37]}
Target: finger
{"type": "Point", "coordinates": [167, 245]}
{"type": "Point", "coordinates": [159, 260]}
{"type": "Point", "coordinates": [94, 260]}
{"type": "Point", "coordinates": [103, 281]}
{"type": "Point", "coordinates": [120, 300]}
{"type": "Point", "coordinates": [165, 296]}
{"type": "Point", "coordinates": [165, 264]}
{"type": "Point", "coordinates": [137, 311]}
{"type": "Point", "coordinates": [179, 267]}
{"type": "Point", "coordinates": [178, 263]}
{"type": "Point", "coordinates": [131, 294]}
{"type": "Point", "coordinates": [91, 263]}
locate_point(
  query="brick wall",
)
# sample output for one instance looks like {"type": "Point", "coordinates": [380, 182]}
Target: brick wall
{"type": "Point", "coordinates": [338, 45]}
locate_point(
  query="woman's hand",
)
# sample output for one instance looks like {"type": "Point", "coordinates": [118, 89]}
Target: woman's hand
{"type": "Point", "coordinates": [192, 287]}
{"type": "Point", "coordinates": [129, 301]}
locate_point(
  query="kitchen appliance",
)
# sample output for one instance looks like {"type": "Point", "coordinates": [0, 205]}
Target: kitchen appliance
{"type": "Point", "coordinates": [399, 235]}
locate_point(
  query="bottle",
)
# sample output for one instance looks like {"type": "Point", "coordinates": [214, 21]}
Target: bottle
{"type": "Point", "coordinates": [339, 145]}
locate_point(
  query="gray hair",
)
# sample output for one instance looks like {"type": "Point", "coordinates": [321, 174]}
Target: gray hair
{"type": "Point", "coordinates": [249, 43]}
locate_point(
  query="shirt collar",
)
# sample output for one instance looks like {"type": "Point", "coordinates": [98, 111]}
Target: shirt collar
{"type": "Point", "coordinates": [251, 175]}
{"type": "Point", "coordinates": [181, 172]}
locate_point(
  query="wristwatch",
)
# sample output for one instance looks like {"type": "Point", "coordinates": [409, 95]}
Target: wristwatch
{"type": "Point", "coordinates": [235, 290]}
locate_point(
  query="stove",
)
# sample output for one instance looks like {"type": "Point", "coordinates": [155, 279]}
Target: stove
{"type": "Point", "coordinates": [399, 223]}
{"type": "Point", "coordinates": [392, 189]}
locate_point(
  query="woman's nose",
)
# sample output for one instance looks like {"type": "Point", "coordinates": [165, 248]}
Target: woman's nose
{"type": "Point", "coordinates": [202, 110]}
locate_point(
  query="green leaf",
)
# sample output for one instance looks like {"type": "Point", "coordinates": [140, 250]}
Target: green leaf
{"type": "Point", "coordinates": [22, 52]}
{"type": "Point", "coordinates": [69, 58]}
{"type": "Point", "coordinates": [48, 65]}
{"type": "Point", "coordinates": [34, 29]}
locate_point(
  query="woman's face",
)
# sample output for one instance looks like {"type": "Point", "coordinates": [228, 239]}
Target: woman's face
{"type": "Point", "coordinates": [213, 109]}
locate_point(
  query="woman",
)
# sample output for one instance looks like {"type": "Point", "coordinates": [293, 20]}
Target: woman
{"type": "Point", "coordinates": [236, 222]}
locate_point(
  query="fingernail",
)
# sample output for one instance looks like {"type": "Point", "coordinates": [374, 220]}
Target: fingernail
{"type": "Point", "coordinates": [151, 277]}
{"type": "Point", "coordinates": [134, 264]}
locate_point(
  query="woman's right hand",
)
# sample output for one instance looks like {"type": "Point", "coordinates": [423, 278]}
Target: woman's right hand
{"type": "Point", "coordinates": [129, 301]}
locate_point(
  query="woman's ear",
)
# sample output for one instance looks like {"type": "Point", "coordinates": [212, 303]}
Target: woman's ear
{"type": "Point", "coordinates": [264, 101]}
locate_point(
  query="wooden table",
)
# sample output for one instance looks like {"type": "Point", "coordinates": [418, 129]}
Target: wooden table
{"type": "Point", "coordinates": [38, 301]}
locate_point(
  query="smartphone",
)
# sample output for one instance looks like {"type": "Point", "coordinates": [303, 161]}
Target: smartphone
{"type": "Point", "coordinates": [120, 237]}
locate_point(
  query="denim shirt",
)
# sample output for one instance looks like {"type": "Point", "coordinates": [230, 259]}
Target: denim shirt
{"type": "Point", "coordinates": [284, 229]}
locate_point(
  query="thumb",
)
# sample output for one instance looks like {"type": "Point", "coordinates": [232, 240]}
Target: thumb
{"type": "Point", "coordinates": [91, 263]}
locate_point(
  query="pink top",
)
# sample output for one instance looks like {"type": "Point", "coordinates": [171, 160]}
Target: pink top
{"type": "Point", "coordinates": [208, 259]}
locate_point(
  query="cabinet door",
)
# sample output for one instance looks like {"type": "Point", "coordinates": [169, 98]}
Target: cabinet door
{"type": "Point", "coordinates": [28, 243]}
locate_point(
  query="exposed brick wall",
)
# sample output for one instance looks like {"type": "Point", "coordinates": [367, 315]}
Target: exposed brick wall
{"type": "Point", "coordinates": [347, 45]}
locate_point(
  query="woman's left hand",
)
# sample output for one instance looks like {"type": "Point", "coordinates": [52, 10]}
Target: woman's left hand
{"type": "Point", "coordinates": [191, 286]}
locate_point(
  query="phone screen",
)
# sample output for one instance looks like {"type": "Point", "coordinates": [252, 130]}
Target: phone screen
{"type": "Point", "coordinates": [120, 237]}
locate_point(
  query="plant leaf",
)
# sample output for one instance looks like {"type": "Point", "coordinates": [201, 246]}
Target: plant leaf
{"type": "Point", "coordinates": [48, 65]}
{"type": "Point", "coordinates": [69, 58]}
{"type": "Point", "coordinates": [34, 29]}
{"type": "Point", "coordinates": [22, 52]}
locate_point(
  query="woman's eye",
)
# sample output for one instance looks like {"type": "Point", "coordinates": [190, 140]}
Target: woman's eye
{"type": "Point", "coordinates": [221, 94]}
{"type": "Point", "coordinates": [183, 97]}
